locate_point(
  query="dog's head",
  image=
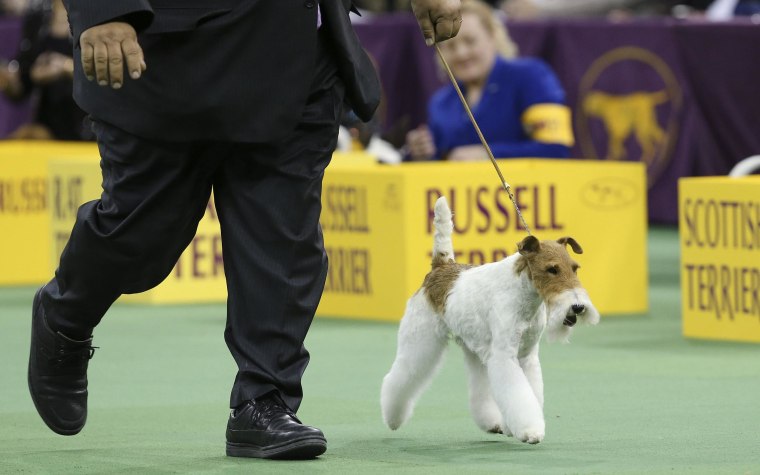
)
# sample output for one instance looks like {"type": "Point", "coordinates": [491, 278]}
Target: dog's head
{"type": "Point", "coordinates": [554, 275]}
{"type": "Point", "coordinates": [594, 103]}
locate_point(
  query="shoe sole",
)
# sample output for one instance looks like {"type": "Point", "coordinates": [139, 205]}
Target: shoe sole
{"type": "Point", "coordinates": [32, 392]}
{"type": "Point", "coordinates": [303, 449]}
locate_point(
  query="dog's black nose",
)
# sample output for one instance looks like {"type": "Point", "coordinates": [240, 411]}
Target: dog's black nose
{"type": "Point", "coordinates": [570, 320]}
{"type": "Point", "coordinates": [578, 308]}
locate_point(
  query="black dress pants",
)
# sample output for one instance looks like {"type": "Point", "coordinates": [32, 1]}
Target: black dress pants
{"type": "Point", "coordinates": [268, 199]}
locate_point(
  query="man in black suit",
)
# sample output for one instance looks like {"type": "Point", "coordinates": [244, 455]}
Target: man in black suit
{"type": "Point", "coordinates": [242, 96]}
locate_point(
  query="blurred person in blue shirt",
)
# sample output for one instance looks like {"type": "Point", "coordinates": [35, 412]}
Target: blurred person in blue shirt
{"type": "Point", "coordinates": [519, 104]}
{"type": "Point", "coordinates": [721, 10]}
{"type": "Point", "coordinates": [716, 10]}
{"type": "Point", "coordinates": [615, 9]}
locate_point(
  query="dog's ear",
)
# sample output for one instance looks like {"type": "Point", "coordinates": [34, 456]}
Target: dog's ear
{"type": "Point", "coordinates": [573, 244]}
{"type": "Point", "coordinates": [528, 245]}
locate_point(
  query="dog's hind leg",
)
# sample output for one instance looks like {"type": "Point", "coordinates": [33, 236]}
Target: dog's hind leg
{"type": "Point", "coordinates": [421, 344]}
{"type": "Point", "coordinates": [483, 408]}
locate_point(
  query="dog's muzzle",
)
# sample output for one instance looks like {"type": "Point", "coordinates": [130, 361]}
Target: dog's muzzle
{"type": "Point", "coordinates": [572, 317]}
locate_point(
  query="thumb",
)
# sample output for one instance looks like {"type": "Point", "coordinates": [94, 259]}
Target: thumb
{"type": "Point", "coordinates": [426, 25]}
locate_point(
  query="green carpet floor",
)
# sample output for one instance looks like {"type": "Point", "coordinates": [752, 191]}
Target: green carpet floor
{"type": "Point", "coordinates": [626, 397]}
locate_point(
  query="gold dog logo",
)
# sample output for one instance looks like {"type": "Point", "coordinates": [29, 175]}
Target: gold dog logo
{"type": "Point", "coordinates": [638, 125]}
{"type": "Point", "coordinates": [625, 116]}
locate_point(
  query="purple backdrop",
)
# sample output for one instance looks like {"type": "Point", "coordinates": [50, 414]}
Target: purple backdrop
{"type": "Point", "coordinates": [12, 114]}
{"type": "Point", "coordinates": [679, 96]}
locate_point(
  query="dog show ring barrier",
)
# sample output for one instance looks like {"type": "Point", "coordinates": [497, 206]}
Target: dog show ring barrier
{"type": "Point", "coordinates": [377, 224]}
{"type": "Point", "coordinates": [25, 200]}
{"type": "Point", "coordinates": [719, 228]}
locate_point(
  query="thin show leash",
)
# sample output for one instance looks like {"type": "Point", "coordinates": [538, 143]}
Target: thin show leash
{"type": "Point", "coordinates": [507, 188]}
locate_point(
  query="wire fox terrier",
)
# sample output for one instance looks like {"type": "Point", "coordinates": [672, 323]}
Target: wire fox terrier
{"type": "Point", "coordinates": [497, 313]}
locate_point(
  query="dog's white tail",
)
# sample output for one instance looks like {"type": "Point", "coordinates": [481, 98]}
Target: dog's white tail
{"type": "Point", "coordinates": [443, 250]}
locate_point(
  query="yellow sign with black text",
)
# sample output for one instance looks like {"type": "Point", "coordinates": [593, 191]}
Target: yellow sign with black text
{"type": "Point", "coordinates": [377, 224]}
{"type": "Point", "coordinates": [719, 225]}
{"type": "Point", "coordinates": [198, 275]}
{"type": "Point", "coordinates": [24, 200]}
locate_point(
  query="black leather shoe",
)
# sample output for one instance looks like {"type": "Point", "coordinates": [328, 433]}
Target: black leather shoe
{"type": "Point", "coordinates": [266, 428]}
{"type": "Point", "coordinates": [58, 375]}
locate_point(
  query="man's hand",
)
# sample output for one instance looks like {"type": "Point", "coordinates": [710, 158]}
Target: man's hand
{"type": "Point", "coordinates": [438, 19]}
{"type": "Point", "coordinates": [51, 66]}
{"type": "Point", "coordinates": [107, 49]}
{"type": "Point", "coordinates": [420, 143]}
{"type": "Point", "coordinates": [5, 78]}
{"type": "Point", "coordinates": [10, 83]}
{"type": "Point", "coordinates": [468, 153]}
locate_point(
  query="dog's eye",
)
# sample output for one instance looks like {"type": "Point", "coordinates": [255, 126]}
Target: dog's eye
{"type": "Point", "coordinates": [552, 270]}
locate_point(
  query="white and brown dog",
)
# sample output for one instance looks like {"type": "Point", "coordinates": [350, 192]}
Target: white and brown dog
{"type": "Point", "coordinates": [497, 313]}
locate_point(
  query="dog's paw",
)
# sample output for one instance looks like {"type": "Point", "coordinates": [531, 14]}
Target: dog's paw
{"type": "Point", "coordinates": [396, 419]}
{"type": "Point", "coordinates": [395, 415]}
{"type": "Point", "coordinates": [531, 435]}
{"type": "Point", "coordinates": [495, 430]}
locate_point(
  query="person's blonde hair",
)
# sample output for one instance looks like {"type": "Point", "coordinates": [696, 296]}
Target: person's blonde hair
{"type": "Point", "coordinates": [505, 47]}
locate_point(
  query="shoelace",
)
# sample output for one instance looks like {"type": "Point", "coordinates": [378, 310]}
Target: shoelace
{"type": "Point", "coordinates": [72, 356]}
{"type": "Point", "coordinates": [269, 407]}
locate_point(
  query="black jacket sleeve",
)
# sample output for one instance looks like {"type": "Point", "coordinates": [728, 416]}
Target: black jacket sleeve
{"type": "Point", "coordinates": [84, 14]}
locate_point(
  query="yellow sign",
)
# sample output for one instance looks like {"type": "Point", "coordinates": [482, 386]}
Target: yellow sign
{"type": "Point", "coordinates": [376, 221]}
{"type": "Point", "coordinates": [377, 224]}
{"type": "Point", "coordinates": [24, 201]}
{"type": "Point", "coordinates": [198, 275]}
{"type": "Point", "coordinates": [71, 183]}
{"type": "Point", "coordinates": [719, 223]}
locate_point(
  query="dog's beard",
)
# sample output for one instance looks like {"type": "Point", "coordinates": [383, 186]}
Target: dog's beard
{"type": "Point", "coordinates": [565, 310]}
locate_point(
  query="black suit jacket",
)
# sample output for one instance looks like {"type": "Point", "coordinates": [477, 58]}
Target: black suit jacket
{"type": "Point", "coordinates": [231, 70]}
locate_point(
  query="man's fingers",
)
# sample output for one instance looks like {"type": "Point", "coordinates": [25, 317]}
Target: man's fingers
{"type": "Point", "coordinates": [457, 26]}
{"type": "Point", "coordinates": [439, 19]}
{"type": "Point", "coordinates": [134, 57]}
{"type": "Point", "coordinates": [444, 29]}
{"type": "Point", "coordinates": [107, 49]}
{"type": "Point", "coordinates": [88, 61]}
{"type": "Point", "coordinates": [420, 142]}
{"type": "Point", "coordinates": [426, 25]}
{"type": "Point", "coordinates": [115, 65]}
{"type": "Point", "coordinates": [101, 63]}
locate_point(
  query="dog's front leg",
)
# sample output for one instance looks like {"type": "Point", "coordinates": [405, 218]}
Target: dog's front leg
{"type": "Point", "coordinates": [514, 396]}
{"type": "Point", "coordinates": [532, 368]}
